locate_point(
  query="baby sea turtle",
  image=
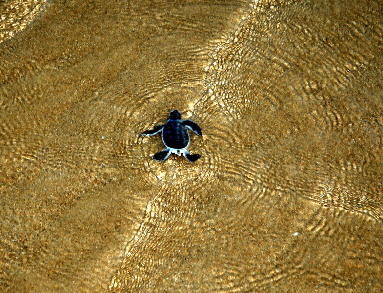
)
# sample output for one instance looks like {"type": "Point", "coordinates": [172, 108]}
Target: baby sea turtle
{"type": "Point", "coordinates": [175, 137]}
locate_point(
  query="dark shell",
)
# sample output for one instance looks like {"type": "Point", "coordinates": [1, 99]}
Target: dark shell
{"type": "Point", "coordinates": [175, 135]}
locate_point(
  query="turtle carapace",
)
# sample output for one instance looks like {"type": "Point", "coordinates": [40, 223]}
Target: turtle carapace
{"type": "Point", "coordinates": [175, 137]}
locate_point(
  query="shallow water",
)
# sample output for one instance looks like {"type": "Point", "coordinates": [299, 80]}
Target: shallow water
{"type": "Point", "coordinates": [288, 194]}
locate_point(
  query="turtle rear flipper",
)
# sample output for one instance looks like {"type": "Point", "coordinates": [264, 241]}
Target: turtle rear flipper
{"type": "Point", "coordinates": [162, 156]}
{"type": "Point", "coordinates": [192, 158]}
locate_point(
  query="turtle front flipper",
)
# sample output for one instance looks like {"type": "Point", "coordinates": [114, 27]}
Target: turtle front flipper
{"type": "Point", "coordinates": [162, 156]}
{"type": "Point", "coordinates": [156, 130]}
{"type": "Point", "coordinates": [191, 158]}
{"type": "Point", "coordinates": [192, 126]}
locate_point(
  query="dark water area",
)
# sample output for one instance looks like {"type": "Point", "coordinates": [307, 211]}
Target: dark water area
{"type": "Point", "coordinates": [288, 193]}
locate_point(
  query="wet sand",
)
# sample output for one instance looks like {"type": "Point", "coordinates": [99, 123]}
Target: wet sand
{"type": "Point", "coordinates": [288, 193]}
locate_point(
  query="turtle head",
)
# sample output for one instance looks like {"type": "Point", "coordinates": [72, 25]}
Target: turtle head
{"type": "Point", "coordinates": [174, 115]}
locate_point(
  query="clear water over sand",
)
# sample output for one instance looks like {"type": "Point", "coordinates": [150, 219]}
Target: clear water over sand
{"type": "Point", "coordinates": [288, 193]}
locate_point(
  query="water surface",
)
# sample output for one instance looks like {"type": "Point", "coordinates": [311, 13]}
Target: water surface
{"type": "Point", "coordinates": [287, 195]}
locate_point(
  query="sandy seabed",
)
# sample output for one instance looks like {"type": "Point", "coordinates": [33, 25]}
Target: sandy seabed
{"type": "Point", "coordinates": [288, 193]}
